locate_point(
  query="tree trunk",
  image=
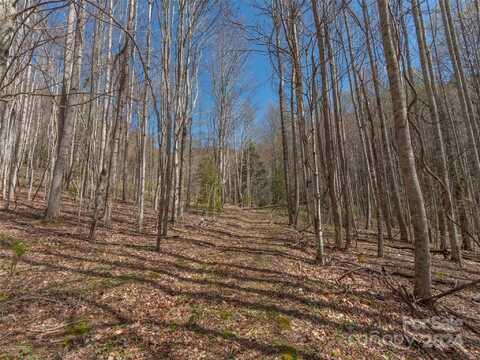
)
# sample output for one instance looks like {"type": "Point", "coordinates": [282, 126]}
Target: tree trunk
{"type": "Point", "coordinates": [385, 138]}
{"type": "Point", "coordinates": [423, 283]}
{"type": "Point", "coordinates": [7, 11]}
{"type": "Point", "coordinates": [429, 87]}
{"type": "Point", "coordinates": [281, 100]}
{"type": "Point", "coordinates": [71, 84]}
{"type": "Point", "coordinates": [144, 124]}
{"type": "Point", "coordinates": [329, 142]}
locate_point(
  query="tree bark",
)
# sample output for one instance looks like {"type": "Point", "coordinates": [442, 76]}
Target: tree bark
{"type": "Point", "coordinates": [423, 283]}
{"type": "Point", "coordinates": [70, 86]}
{"type": "Point", "coordinates": [429, 87]}
{"type": "Point", "coordinates": [144, 123]}
{"type": "Point", "coordinates": [329, 141]}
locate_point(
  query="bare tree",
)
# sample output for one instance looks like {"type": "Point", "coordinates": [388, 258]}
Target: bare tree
{"type": "Point", "coordinates": [423, 282]}
{"type": "Point", "coordinates": [70, 86]}
{"type": "Point", "coordinates": [144, 124]}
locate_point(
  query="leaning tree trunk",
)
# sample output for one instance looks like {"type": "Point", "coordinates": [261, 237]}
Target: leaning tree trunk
{"type": "Point", "coordinates": [447, 197]}
{"type": "Point", "coordinates": [423, 281]}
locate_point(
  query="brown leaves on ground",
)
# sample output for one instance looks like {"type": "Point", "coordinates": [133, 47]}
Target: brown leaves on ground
{"type": "Point", "coordinates": [240, 286]}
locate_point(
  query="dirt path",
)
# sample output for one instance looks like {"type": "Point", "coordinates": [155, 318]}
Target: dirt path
{"type": "Point", "coordinates": [240, 286]}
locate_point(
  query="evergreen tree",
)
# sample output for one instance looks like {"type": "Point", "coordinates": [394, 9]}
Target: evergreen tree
{"type": "Point", "coordinates": [254, 178]}
{"type": "Point", "coordinates": [279, 195]}
{"type": "Point", "coordinates": [210, 188]}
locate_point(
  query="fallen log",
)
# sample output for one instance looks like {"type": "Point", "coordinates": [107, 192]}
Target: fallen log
{"type": "Point", "coordinates": [454, 290]}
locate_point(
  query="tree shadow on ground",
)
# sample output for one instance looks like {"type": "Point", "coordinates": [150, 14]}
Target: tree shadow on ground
{"type": "Point", "coordinates": [203, 266]}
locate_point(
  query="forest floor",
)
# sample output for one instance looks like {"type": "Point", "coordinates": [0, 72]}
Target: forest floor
{"type": "Point", "coordinates": [241, 285]}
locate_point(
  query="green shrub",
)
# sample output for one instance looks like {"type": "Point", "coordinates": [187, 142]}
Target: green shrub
{"type": "Point", "coordinates": [227, 334]}
{"type": "Point", "coordinates": [279, 195]}
{"type": "Point", "coordinates": [288, 352]}
{"type": "Point", "coordinates": [18, 249]}
{"type": "Point", "coordinates": [210, 186]}
{"type": "Point", "coordinates": [80, 328]}
{"type": "Point", "coordinates": [283, 322]}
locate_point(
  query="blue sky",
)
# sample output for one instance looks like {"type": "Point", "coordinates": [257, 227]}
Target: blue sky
{"type": "Point", "coordinates": [257, 74]}
{"type": "Point", "coordinates": [259, 64]}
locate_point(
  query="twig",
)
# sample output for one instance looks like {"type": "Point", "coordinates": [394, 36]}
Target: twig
{"type": "Point", "coordinates": [434, 298]}
{"type": "Point", "coordinates": [351, 272]}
